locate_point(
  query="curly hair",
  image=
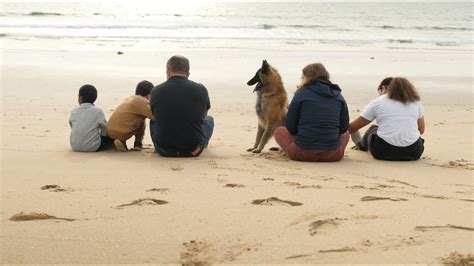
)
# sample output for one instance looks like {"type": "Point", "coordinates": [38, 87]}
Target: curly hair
{"type": "Point", "coordinates": [400, 89]}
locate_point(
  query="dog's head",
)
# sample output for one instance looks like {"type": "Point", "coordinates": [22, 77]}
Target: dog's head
{"type": "Point", "coordinates": [261, 76]}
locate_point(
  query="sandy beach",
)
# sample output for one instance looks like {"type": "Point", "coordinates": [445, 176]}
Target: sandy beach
{"type": "Point", "coordinates": [230, 206]}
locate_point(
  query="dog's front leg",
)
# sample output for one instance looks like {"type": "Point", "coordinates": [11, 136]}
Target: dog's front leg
{"type": "Point", "coordinates": [267, 134]}
{"type": "Point", "coordinates": [260, 131]}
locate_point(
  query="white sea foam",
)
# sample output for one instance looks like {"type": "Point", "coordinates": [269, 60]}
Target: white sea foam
{"type": "Point", "coordinates": [271, 26]}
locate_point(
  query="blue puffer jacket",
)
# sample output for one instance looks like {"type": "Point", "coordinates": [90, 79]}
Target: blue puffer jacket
{"type": "Point", "coordinates": [318, 115]}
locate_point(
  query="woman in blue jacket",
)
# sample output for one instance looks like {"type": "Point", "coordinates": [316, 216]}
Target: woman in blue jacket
{"type": "Point", "coordinates": [317, 121]}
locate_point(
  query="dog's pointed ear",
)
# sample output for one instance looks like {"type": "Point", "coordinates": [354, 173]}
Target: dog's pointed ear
{"type": "Point", "coordinates": [265, 67]}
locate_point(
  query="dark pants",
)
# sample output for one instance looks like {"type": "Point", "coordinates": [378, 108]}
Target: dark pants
{"type": "Point", "coordinates": [207, 128]}
{"type": "Point", "coordinates": [106, 143]}
{"type": "Point", "coordinates": [381, 150]}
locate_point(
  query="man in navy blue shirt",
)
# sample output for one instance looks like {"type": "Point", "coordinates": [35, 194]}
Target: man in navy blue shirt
{"type": "Point", "coordinates": [182, 127]}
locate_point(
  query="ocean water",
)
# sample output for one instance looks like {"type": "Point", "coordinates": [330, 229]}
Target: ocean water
{"type": "Point", "coordinates": [237, 26]}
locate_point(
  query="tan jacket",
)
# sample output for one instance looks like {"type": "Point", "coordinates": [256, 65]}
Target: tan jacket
{"type": "Point", "coordinates": [128, 117]}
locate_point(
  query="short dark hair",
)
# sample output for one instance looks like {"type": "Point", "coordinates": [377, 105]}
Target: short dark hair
{"type": "Point", "coordinates": [385, 82]}
{"type": "Point", "coordinates": [144, 88]}
{"type": "Point", "coordinates": [178, 63]}
{"type": "Point", "coordinates": [88, 93]}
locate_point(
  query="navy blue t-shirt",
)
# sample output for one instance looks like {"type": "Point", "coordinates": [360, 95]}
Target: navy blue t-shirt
{"type": "Point", "coordinates": [179, 106]}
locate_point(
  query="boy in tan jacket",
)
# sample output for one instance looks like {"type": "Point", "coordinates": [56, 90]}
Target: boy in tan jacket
{"type": "Point", "coordinates": [129, 118]}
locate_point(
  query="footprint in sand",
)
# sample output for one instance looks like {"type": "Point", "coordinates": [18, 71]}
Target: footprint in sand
{"type": "Point", "coordinates": [292, 184]}
{"type": "Point", "coordinates": [234, 185]}
{"type": "Point", "coordinates": [448, 226]}
{"type": "Point", "coordinates": [434, 197]}
{"type": "Point", "coordinates": [344, 249]}
{"type": "Point", "coordinates": [21, 217]}
{"type": "Point", "coordinates": [299, 186]}
{"type": "Point", "coordinates": [316, 225]}
{"type": "Point", "coordinates": [461, 185]}
{"type": "Point", "coordinates": [464, 164]}
{"type": "Point", "coordinates": [362, 187]}
{"type": "Point", "coordinates": [204, 253]}
{"type": "Point", "coordinates": [299, 256]}
{"type": "Point", "coordinates": [53, 188]}
{"type": "Point", "coordinates": [145, 201]}
{"type": "Point", "coordinates": [309, 186]}
{"type": "Point", "coordinates": [177, 168]}
{"type": "Point", "coordinates": [457, 164]}
{"type": "Point", "coordinates": [274, 156]}
{"type": "Point", "coordinates": [469, 200]}
{"type": "Point", "coordinates": [274, 201]}
{"type": "Point", "coordinates": [160, 190]}
{"type": "Point", "coordinates": [455, 258]}
{"type": "Point", "coordinates": [373, 198]}
{"type": "Point", "coordinates": [401, 182]}
{"type": "Point", "coordinates": [385, 186]}
{"type": "Point", "coordinates": [196, 253]}
{"type": "Point", "coordinates": [464, 192]}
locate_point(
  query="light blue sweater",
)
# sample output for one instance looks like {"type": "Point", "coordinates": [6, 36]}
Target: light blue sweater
{"type": "Point", "coordinates": [87, 125]}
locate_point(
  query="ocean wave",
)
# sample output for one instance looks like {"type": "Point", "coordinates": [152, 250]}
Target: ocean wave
{"type": "Point", "coordinates": [293, 41]}
{"type": "Point", "coordinates": [171, 26]}
{"type": "Point", "coordinates": [306, 26]}
{"type": "Point", "coordinates": [36, 13]}
{"type": "Point", "coordinates": [401, 40]}
{"type": "Point", "coordinates": [141, 26]}
{"type": "Point", "coordinates": [439, 28]}
{"type": "Point", "coordinates": [182, 38]}
{"type": "Point", "coordinates": [388, 27]}
{"type": "Point", "coordinates": [267, 26]}
{"type": "Point", "coordinates": [444, 28]}
{"type": "Point", "coordinates": [385, 27]}
{"type": "Point", "coordinates": [447, 44]}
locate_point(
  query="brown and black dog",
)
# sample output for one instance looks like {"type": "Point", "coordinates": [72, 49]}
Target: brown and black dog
{"type": "Point", "coordinates": [272, 104]}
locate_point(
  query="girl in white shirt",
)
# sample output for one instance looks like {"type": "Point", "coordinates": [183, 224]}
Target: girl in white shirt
{"type": "Point", "coordinates": [400, 120]}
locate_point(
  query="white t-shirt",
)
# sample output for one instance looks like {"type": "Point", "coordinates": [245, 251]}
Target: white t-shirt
{"type": "Point", "coordinates": [398, 122]}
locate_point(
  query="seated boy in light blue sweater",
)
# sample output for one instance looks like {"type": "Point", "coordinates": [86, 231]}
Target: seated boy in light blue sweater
{"type": "Point", "coordinates": [88, 124]}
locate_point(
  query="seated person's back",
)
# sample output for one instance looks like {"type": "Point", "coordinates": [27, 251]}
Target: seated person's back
{"type": "Point", "coordinates": [129, 118]}
{"type": "Point", "coordinates": [182, 128]}
{"type": "Point", "coordinates": [180, 104]}
{"type": "Point", "coordinates": [87, 122]}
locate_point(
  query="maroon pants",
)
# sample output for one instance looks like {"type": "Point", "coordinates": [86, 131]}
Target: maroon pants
{"type": "Point", "coordinates": [294, 152]}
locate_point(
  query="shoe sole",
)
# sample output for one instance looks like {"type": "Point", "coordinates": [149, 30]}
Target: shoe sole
{"type": "Point", "coordinates": [119, 146]}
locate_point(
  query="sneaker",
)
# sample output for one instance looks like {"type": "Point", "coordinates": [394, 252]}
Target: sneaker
{"type": "Point", "coordinates": [120, 146]}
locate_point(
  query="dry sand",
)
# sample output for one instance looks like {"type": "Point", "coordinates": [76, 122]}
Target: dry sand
{"type": "Point", "coordinates": [230, 206]}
